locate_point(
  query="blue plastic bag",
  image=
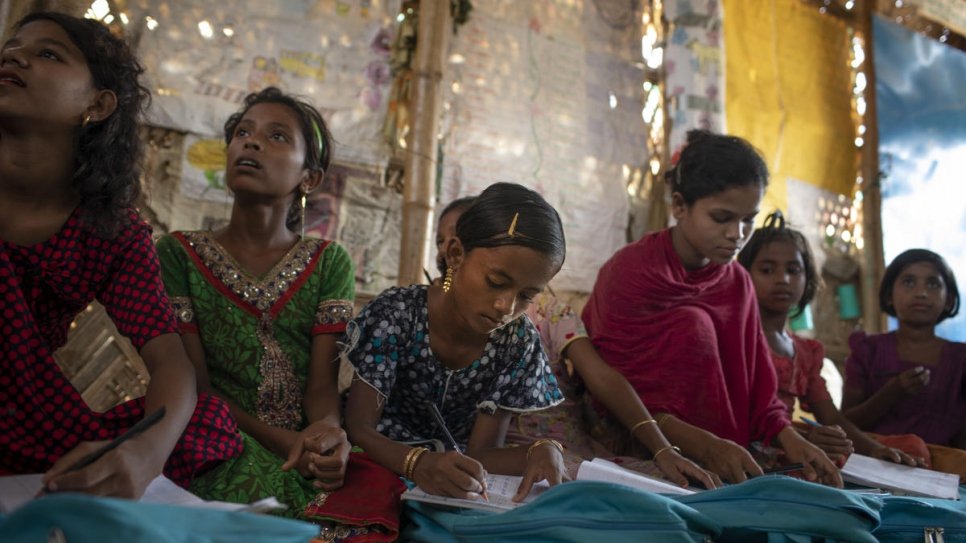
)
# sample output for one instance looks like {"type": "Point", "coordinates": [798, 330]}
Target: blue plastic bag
{"type": "Point", "coordinates": [84, 519]}
{"type": "Point", "coordinates": [918, 519]}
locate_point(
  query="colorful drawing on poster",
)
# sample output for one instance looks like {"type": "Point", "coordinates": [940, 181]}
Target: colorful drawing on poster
{"type": "Point", "coordinates": [203, 172]}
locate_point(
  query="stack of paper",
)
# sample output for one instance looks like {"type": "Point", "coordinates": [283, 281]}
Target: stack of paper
{"type": "Point", "coordinates": [899, 478]}
{"type": "Point", "coordinates": [607, 471]}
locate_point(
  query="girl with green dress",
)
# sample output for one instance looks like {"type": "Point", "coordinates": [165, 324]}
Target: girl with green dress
{"type": "Point", "coordinates": [260, 309]}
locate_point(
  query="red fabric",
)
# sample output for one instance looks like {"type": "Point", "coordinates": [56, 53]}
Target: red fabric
{"type": "Point", "coordinates": [690, 343]}
{"type": "Point", "coordinates": [371, 497]}
{"type": "Point", "coordinates": [42, 288]}
{"type": "Point", "coordinates": [801, 376]}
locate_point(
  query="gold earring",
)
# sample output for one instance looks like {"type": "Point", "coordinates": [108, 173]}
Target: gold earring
{"type": "Point", "coordinates": [87, 120]}
{"type": "Point", "coordinates": [303, 214]}
{"type": "Point", "coordinates": [448, 280]}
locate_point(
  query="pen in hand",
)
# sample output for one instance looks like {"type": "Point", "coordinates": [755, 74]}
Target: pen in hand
{"type": "Point", "coordinates": [133, 431]}
{"type": "Point", "coordinates": [449, 437]}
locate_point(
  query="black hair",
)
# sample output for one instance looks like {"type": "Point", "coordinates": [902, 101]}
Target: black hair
{"type": "Point", "coordinates": [511, 214]}
{"type": "Point", "coordinates": [913, 256]}
{"type": "Point", "coordinates": [712, 163]}
{"type": "Point", "coordinates": [318, 139]}
{"type": "Point", "coordinates": [107, 158]}
{"type": "Point", "coordinates": [459, 204]}
{"type": "Point", "coordinates": [775, 229]}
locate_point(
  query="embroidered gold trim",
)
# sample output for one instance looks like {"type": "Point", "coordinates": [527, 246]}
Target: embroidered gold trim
{"type": "Point", "coordinates": [183, 309]}
{"type": "Point", "coordinates": [333, 312]}
{"type": "Point", "coordinates": [279, 400]}
{"type": "Point", "coordinates": [260, 292]}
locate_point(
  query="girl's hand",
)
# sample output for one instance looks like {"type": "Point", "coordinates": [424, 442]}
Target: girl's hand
{"type": "Point", "coordinates": [450, 474]}
{"type": "Point", "coordinates": [679, 469]}
{"type": "Point", "coordinates": [732, 462]}
{"type": "Point", "coordinates": [911, 382]}
{"type": "Point", "coordinates": [817, 466]}
{"type": "Point", "coordinates": [122, 473]}
{"type": "Point", "coordinates": [545, 462]}
{"type": "Point", "coordinates": [895, 455]}
{"type": "Point", "coordinates": [320, 452]}
{"type": "Point", "coordinates": [831, 439]}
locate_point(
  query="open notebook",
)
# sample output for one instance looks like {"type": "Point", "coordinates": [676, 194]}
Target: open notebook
{"type": "Point", "coordinates": [900, 479]}
{"type": "Point", "coordinates": [16, 490]}
{"type": "Point", "coordinates": [501, 488]}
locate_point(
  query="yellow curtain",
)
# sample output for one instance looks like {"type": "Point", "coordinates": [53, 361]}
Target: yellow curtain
{"type": "Point", "coordinates": [788, 89]}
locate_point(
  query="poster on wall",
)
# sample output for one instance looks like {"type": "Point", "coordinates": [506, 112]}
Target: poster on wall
{"type": "Point", "coordinates": [204, 57]}
{"type": "Point", "coordinates": [922, 149]}
{"type": "Point", "coordinates": [694, 68]}
{"type": "Point", "coordinates": [549, 95]}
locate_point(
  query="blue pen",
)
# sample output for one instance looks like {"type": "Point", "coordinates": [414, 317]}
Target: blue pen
{"type": "Point", "coordinates": [808, 421]}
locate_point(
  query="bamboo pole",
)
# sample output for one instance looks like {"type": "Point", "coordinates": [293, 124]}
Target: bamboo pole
{"type": "Point", "coordinates": [433, 31]}
{"type": "Point", "coordinates": [873, 261]}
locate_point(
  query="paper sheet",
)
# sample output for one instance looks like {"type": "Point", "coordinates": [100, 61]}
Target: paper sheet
{"type": "Point", "coordinates": [900, 479]}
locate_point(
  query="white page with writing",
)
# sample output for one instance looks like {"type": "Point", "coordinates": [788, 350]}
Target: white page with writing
{"type": "Point", "coordinates": [900, 478]}
{"type": "Point", "coordinates": [500, 490]}
{"type": "Point", "coordinates": [607, 471]}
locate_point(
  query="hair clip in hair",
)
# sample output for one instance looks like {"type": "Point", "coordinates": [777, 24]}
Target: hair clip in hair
{"type": "Point", "coordinates": [318, 136]}
{"type": "Point", "coordinates": [513, 225]}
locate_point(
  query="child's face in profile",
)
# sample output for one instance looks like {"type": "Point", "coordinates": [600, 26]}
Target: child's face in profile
{"type": "Point", "coordinates": [493, 286]}
{"type": "Point", "coordinates": [919, 294]}
{"type": "Point", "coordinates": [779, 276]}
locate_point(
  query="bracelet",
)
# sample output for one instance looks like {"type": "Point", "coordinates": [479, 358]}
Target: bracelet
{"type": "Point", "coordinates": [409, 465]}
{"type": "Point", "coordinates": [661, 418]}
{"type": "Point", "coordinates": [642, 423]}
{"type": "Point", "coordinates": [544, 441]}
{"type": "Point", "coordinates": [669, 447]}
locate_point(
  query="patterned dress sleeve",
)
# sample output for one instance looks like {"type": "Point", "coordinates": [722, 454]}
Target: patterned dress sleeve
{"type": "Point", "coordinates": [373, 340]}
{"type": "Point", "coordinates": [334, 307]}
{"type": "Point", "coordinates": [174, 272]}
{"type": "Point", "coordinates": [134, 297]}
{"type": "Point", "coordinates": [558, 324]}
{"type": "Point", "coordinates": [858, 364]}
{"type": "Point", "coordinates": [526, 382]}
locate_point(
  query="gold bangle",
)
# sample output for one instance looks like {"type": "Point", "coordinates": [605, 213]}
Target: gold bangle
{"type": "Point", "coordinates": [410, 463]}
{"type": "Point", "coordinates": [642, 423]}
{"type": "Point", "coordinates": [416, 458]}
{"type": "Point", "coordinates": [544, 441]}
{"type": "Point", "coordinates": [669, 447]}
{"type": "Point", "coordinates": [661, 419]}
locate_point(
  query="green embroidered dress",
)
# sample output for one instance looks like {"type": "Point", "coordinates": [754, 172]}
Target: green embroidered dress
{"type": "Point", "coordinates": [257, 337]}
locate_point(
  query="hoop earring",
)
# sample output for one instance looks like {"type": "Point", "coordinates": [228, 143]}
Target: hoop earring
{"type": "Point", "coordinates": [303, 213]}
{"type": "Point", "coordinates": [448, 280]}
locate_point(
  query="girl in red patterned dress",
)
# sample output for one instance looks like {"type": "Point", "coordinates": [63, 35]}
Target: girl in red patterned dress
{"type": "Point", "coordinates": [70, 104]}
{"type": "Point", "coordinates": [783, 270]}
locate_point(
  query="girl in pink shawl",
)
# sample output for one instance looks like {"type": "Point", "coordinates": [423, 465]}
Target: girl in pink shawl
{"type": "Point", "coordinates": [678, 318]}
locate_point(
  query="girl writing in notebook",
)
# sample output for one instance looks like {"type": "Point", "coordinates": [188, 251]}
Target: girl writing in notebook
{"type": "Point", "coordinates": [260, 308]}
{"type": "Point", "coordinates": [70, 104]}
{"type": "Point", "coordinates": [459, 345]}
{"type": "Point", "coordinates": [911, 380]}
{"type": "Point", "coordinates": [677, 317]}
{"type": "Point", "coordinates": [782, 269]}
{"type": "Point", "coordinates": [576, 364]}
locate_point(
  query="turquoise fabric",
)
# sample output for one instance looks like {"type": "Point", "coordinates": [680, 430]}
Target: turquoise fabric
{"type": "Point", "coordinates": [578, 511]}
{"type": "Point", "coordinates": [86, 519]}
{"type": "Point", "coordinates": [777, 509]}
{"type": "Point", "coordinates": [907, 519]}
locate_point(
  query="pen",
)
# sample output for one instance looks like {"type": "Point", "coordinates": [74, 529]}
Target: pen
{"type": "Point", "coordinates": [449, 437]}
{"type": "Point", "coordinates": [133, 431]}
{"type": "Point", "coordinates": [784, 469]}
{"type": "Point", "coordinates": [442, 426]}
{"type": "Point", "coordinates": [808, 421]}
{"type": "Point", "coordinates": [429, 278]}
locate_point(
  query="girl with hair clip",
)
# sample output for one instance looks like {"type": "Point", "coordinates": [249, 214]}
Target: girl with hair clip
{"type": "Point", "coordinates": [575, 363]}
{"type": "Point", "coordinates": [260, 309]}
{"type": "Point", "coordinates": [461, 347]}
{"type": "Point", "coordinates": [677, 317]}
{"type": "Point", "coordinates": [911, 380]}
{"type": "Point", "coordinates": [70, 105]}
{"type": "Point", "coordinates": [782, 269]}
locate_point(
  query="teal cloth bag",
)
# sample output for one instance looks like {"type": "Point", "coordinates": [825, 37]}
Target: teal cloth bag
{"type": "Point", "coordinates": [577, 511]}
{"type": "Point", "coordinates": [918, 519]}
{"type": "Point", "coordinates": [779, 509]}
{"type": "Point", "coordinates": [86, 519]}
